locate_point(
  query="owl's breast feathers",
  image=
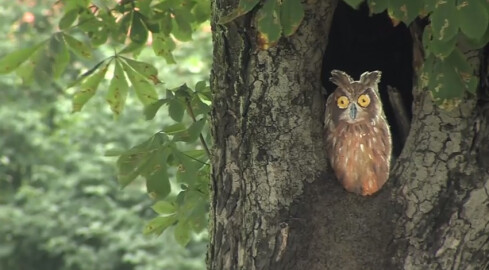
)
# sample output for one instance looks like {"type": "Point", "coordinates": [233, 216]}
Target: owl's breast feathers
{"type": "Point", "coordinates": [360, 156]}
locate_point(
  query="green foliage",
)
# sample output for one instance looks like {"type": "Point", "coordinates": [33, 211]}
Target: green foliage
{"type": "Point", "coordinates": [110, 41]}
{"type": "Point", "coordinates": [452, 23]}
{"type": "Point", "coordinates": [446, 71]}
{"type": "Point", "coordinates": [276, 18]}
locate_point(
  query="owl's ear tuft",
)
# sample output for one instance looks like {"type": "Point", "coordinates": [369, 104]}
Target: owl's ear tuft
{"type": "Point", "coordinates": [370, 78]}
{"type": "Point", "coordinates": [340, 78]}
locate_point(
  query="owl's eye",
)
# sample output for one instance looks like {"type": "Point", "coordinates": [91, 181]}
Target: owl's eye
{"type": "Point", "coordinates": [363, 100]}
{"type": "Point", "coordinates": [342, 102]}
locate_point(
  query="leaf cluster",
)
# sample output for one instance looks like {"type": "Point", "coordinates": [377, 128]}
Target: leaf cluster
{"type": "Point", "coordinates": [86, 30]}
{"type": "Point", "coordinates": [453, 28]}
{"type": "Point", "coordinates": [273, 18]}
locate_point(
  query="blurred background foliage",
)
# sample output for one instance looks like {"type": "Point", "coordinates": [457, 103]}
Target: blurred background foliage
{"type": "Point", "coordinates": [61, 206]}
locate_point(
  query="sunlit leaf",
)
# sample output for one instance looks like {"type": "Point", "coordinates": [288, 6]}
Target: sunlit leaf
{"type": "Point", "coordinates": [68, 19]}
{"type": "Point", "coordinates": [175, 128]}
{"type": "Point", "coordinates": [77, 46]}
{"type": "Point", "coordinates": [165, 23]}
{"type": "Point", "coordinates": [14, 59]}
{"type": "Point", "coordinates": [181, 28]}
{"type": "Point", "coordinates": [182, 233]}
{"type": "Point", "coordinates": [164, 207]}
{"type": "Point", "coordinates": [133, 47]}
{"type": "Point", "coordinates": [88, 89]}
{"type": "Point", "coordinates": [124, 25]}
{"type": "Point", "coordinates": [145, 91]}
{"type": "Point", "coordinates": [163, 46]}
{"type": "Point", "coordinates": [116, 96]}
{"type": "Point", "coordinates": [86, 74]}
{"type": "Point", "coordinates": [145, 69]}
{"type": "Point", "coordinates": [159, 224]}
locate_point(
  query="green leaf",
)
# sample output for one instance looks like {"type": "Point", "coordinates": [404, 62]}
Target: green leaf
{"type": "Point", "coordinates": [187, 168]}
{"type": "Point", "coordinates": [354, 3]}
{"type": "Point", "coordinates": [165, 23]}
{"type": "Point", "coordinates": [440, 49]}
{"type": "Point", "coordinates": [155, 172]}
{"type": "Point", "coordinates": [473, 18]}
{"type": "Point", "coordinates": [61, 55]}
{"type": "Point", "coordinates": [100, 36]}
{"type": "Point", "coordinates": [244, 7]}
{"type": "Point", "coordinates": [120, 35]}
{"type": "Point", "coordinates": [377, 6]}
{"type": "Point", "coordinates": [14, 59]}
{"type": "Point", "coordinates": [139, 33]}
{"type": "Point", "coordinates": [175, 128]}
{"type": "Point", "coordinates": [446, 86]}
{"type": "Point", "coordinates": [164, 45]}
{"type": "Point", "coordinates": [159, 224]}
{"type": "Point", "coordinates": [199, 107]}
{"type": "Point", "coordinates": [202, 11]}
{"type": "Point", "coordinates": [77, 46]}
{"type": "Point", "coordinates": [405, 10]}
{"type": "Point", "coordinates": [181, 28]}
{"type": "Point", "coordinates": [151, 109]}
{"type": "Point", "coordinates": [144, 89]}
{"type": "Point", "coordinates": [68, 19]}
{"type": "Point", "coordinates": [268, 22]}
{"type": "Point", "coordinates": [291, 15]}
{"type": "Point", "coordinates": [164, 207]}
{"type": "Point", "coordinates": [182, 233]}
{"type": "Point", "coordinates": [444, 21]}
{"type": "Point", "coordinates": [145, 69]}
{"type": "Point", "coordinates": [116, 96]}
{"type": "Point", "coordinates": [88, 89]}
{"type": "Point", "coordinates": [141, 159]}
{"type": "Point", "coordinates": [86, 74]}
{"type": "Point", "coordinates": [464, 71]}
{"type": "Point", "coordinates": [192, 133]}
{"type": "Point", "coordinates": [176, 110]}
{"type": "Point", "coordinates": [26, 71]}
{"type": "Point", "coordinates": [133, 47]}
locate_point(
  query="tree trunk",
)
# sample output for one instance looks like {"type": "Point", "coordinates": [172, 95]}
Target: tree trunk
{"type": "Point", "coordinates": [442, 189]}
{"type": "Point", "coordinates": [275, 202]}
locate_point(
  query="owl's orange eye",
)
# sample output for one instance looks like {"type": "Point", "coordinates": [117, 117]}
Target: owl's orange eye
{"type": "Point", "coordinates": [342, 102]}
{"type": "Point", "coordinates": [363, 100]}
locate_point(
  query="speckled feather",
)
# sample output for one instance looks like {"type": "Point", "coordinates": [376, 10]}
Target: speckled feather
{"type": "Point", "coordinates": [359, 148]}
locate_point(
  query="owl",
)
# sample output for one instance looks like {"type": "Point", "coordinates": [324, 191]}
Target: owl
{"type": "Point", "coordinates": [358, 139]}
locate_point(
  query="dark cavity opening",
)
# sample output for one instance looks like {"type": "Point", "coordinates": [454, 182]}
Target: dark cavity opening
{"type": "Point", "coordinates": [359, 42]}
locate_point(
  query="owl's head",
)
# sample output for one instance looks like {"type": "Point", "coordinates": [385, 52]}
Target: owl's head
{"type": "Point", "coordinates": [354, 101]}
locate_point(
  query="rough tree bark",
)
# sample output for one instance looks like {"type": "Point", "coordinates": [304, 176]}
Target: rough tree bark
{"type": "Point", "coordinates": [275, 203]}
{"type": "Point", "coordinates": [442, 188]}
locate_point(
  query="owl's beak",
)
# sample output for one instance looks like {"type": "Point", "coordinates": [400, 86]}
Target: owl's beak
{"type": "Point", "coordinates": [353, 111]}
